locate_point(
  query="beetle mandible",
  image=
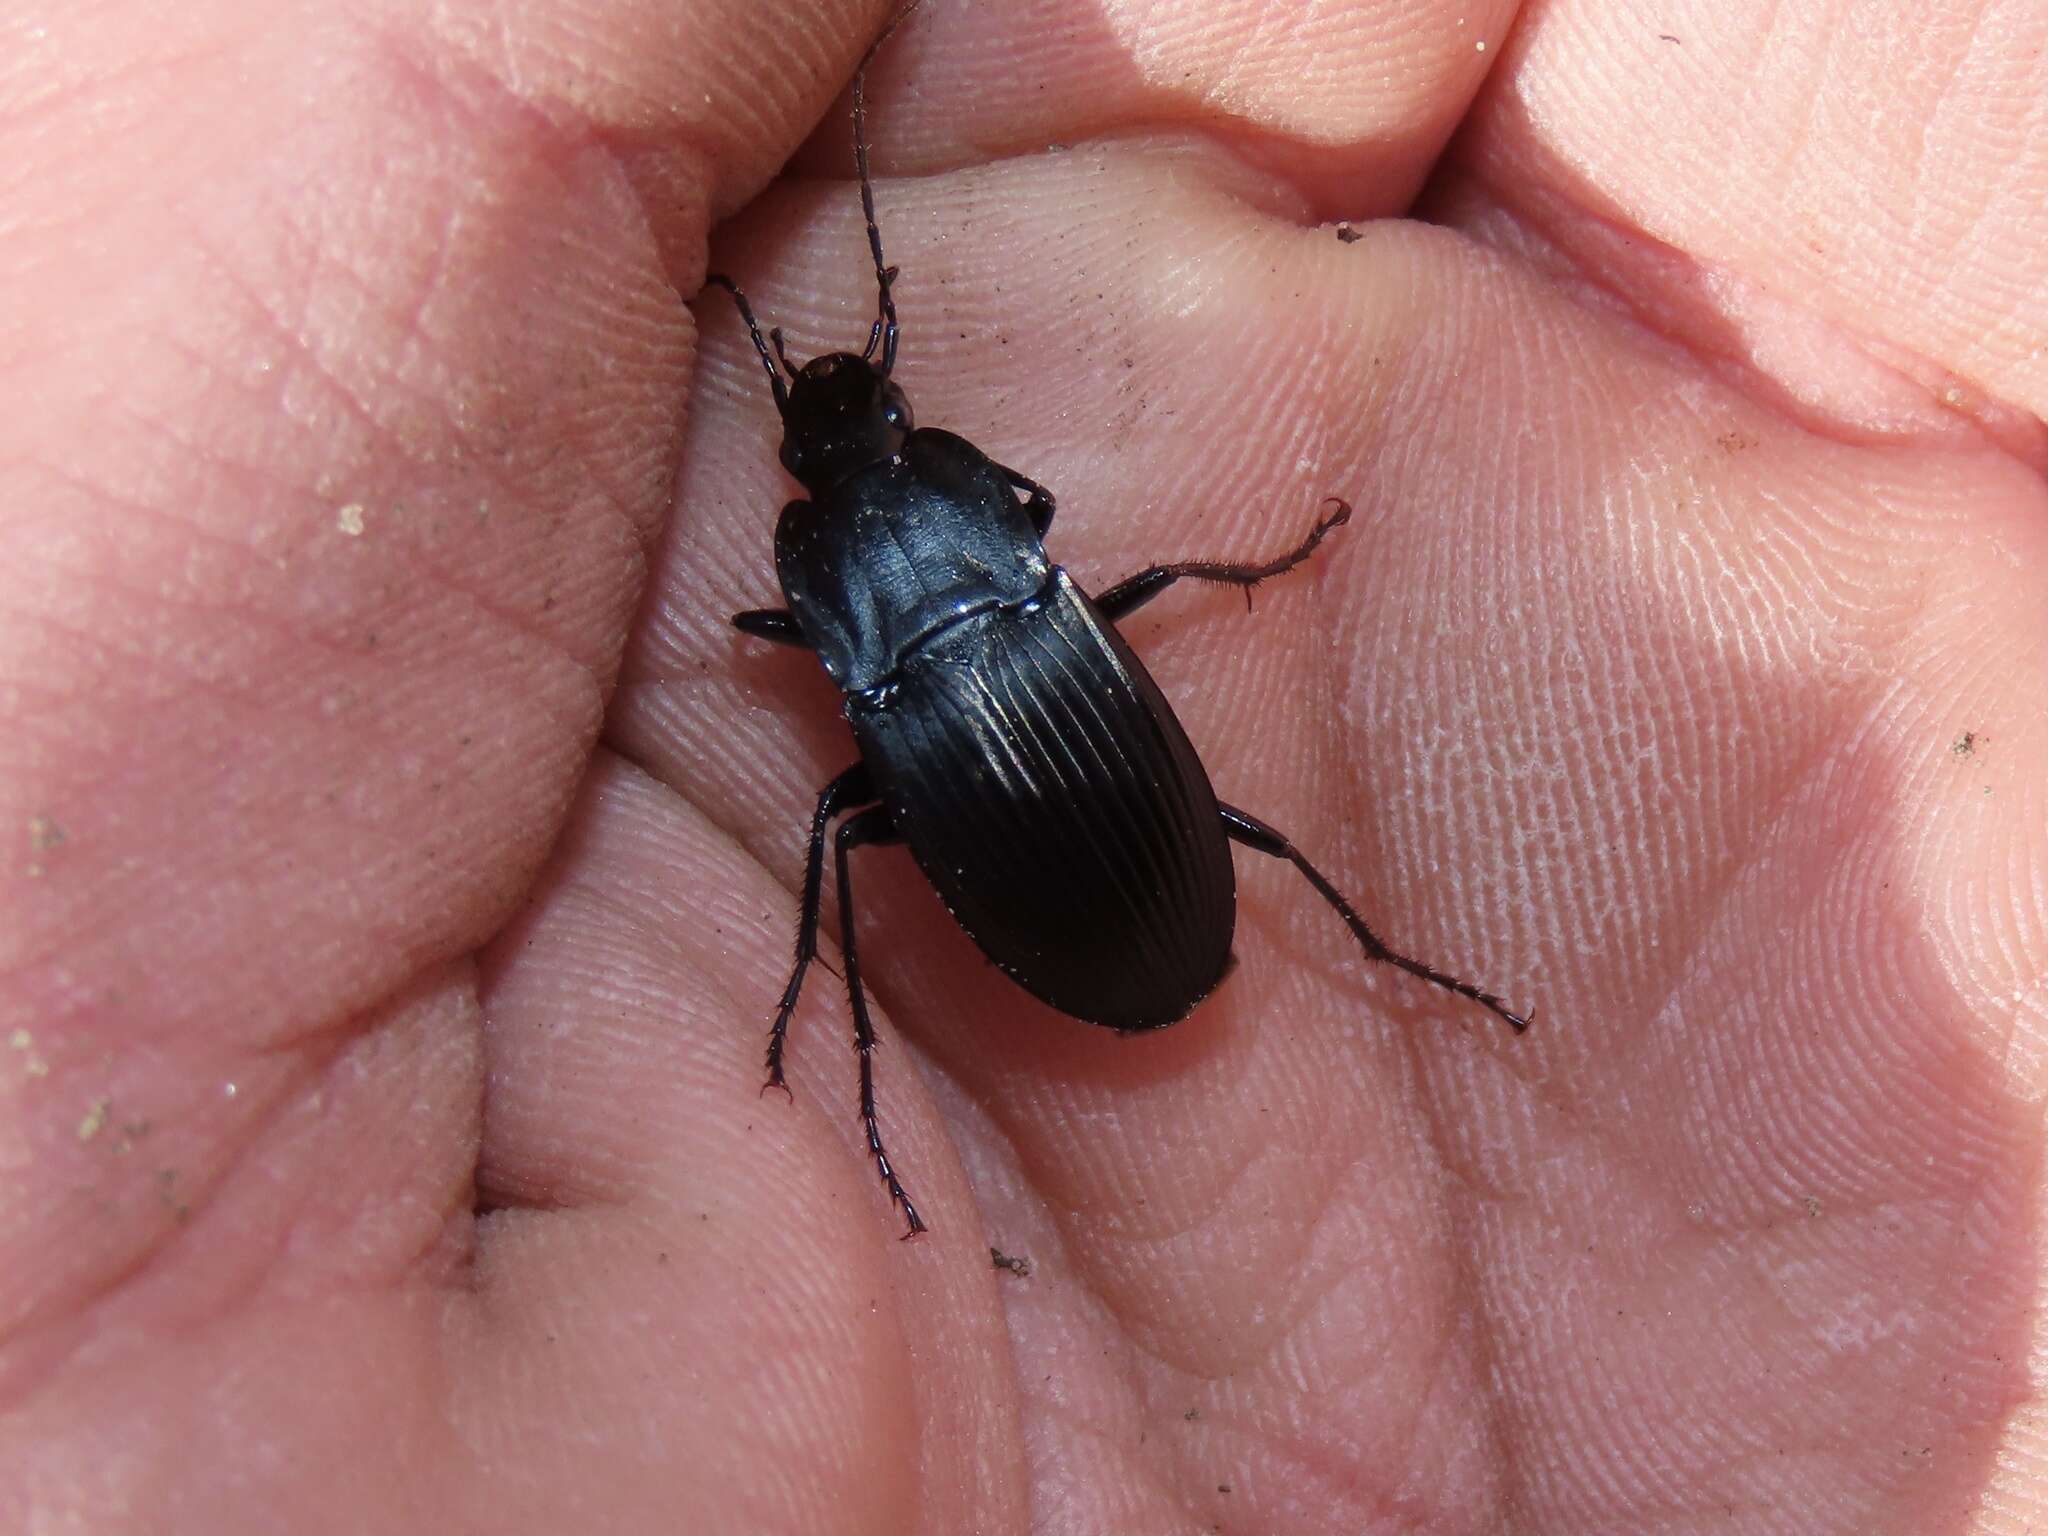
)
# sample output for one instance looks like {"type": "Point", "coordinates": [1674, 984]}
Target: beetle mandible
{"type": "Point", "coordinates": [1007, 732]}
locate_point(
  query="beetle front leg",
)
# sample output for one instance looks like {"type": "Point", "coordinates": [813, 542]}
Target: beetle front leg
{"type": "Point", "coordinates": [1254, 833]}
{"type": "Point", "coordinates": [853, 787]}
{"type": "Point", "coordinates": [777, 624]}
{"type": "Point", "coordinates": [872, 825]}
{"type": "Point", "coordinates": [1134, 592]}
{"type": "Point", "coordinates": [1038, 501]}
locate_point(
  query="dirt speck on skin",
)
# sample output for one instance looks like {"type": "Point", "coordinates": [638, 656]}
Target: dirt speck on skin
{"type": "Point", "coordinates": [1014, 1263]}
{"type": "Point", "coordinates": [95, 1119]}
{"type": "Point", "coordinates": [166, 1189]}
{"type": "Point", "coordinates": [44, 835]}
{"type": "Point", "coordinates": [1812, 1204]}
{"type": "Point", "coordinates": [1965, 744]}
{"type": "Point", "coordinates": [24, 1044]}
{"type": "Point", "coordinates": [1347, 234]}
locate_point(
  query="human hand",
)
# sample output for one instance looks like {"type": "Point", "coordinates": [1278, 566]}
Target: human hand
{"type": "Point", "coordinates": [1679, 676]}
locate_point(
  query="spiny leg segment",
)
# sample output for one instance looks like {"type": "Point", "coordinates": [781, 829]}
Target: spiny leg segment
{"type": "Point", "coordinates": [853, 787]}
{"type": "Point", "coordinates": [871, 826]}
{"type": "Point", "coordinates": [1254, 833]}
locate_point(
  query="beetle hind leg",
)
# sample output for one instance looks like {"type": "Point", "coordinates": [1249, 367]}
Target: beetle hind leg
{"type": "Point", "coordinates": [1254, 833]}
{"type": "Point", "coordinates": [871, 826]}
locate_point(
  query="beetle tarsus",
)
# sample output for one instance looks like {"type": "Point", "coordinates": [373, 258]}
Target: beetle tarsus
{"type": "Point", "coordinates": [778, 1032]}
{"type": "Point", "coordinates": [1247, 829]}
{"type": "Point", "coordinates": [871, 826]}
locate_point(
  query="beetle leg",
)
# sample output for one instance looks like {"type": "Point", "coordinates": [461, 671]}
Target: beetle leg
{"type": "Point", "coordinates": [1254, 833]}
{"type": "Point", "coordinates": [853, 787]}
{"type": "Point", "coordinates": [1038, 501]}
{"type": "Point", "coordinates": [777, 624]}
{"type": "Point", "coordinates": [1135, 591]}
{"type": "Point", "coordinates": [871, 826]}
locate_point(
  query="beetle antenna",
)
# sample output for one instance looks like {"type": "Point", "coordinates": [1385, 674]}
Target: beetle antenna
{"type": "Point", "coordinates": [883, 332]}
{"type": "Point", "coordinates": [719, 279]}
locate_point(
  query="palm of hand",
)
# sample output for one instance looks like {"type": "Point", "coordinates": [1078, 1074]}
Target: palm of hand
{"type": "Point", "coordinates": [1673, 678]}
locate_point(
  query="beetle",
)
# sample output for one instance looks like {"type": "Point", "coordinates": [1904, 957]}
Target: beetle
{"type": "Point", "coordinates": [1007, 732]}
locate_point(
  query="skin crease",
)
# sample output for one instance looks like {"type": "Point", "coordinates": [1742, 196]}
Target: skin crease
{"type": "Point", "coordinates": [403, 848]}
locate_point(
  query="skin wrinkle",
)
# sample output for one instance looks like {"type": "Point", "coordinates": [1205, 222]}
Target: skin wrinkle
{"type": "Point", "coordinates": [408, 318]}
{"type": "Point", "coordinates": [549, 146]}
{"type": "Point", "coordinates": [376, 431]}
{"type": "Point", "coordinates": [339, 648]}
{"type": "Point", "coordinates": [1711, 897]}
{"type": "Point", "coordinates": [1073, 1223]}
{"type": "Point", "coordinates": [1309, 1456]}
{"type": "Point", "coordinates": [109, 1285]}
{"type": "Point", "coordinates": [1295, 1368]}
{"type": "Point", "coordinates": [265, 401]}
{"type": "Point", "coordinates": [1115, 1440]}
{"type": "Point", "coordinates": [334, 390]}
{"type": "Point", "coordinates": [1804, 97]}
{"type": "Point", "coordinates": [524, 620]}
{"type": "Point", "coordinates": [1436, 1369]}
{"type": "Point", "coordinates": [291, 343]}
{"type": "Point", "coordinates": [1792, 779]}
{"type": "Point", "coordinates": [1469, 1297]}
{"type": "Point", "coordinates": [1639, 304]}
{"type": "Point", "coordinates": [107, 89]}
{"type": "Point", "coordinates": [1379, 1503]}
{"type": "Point", "coordinates": [1139, 1331]}
{"type": "Point", "coordinates": [1432, 1366]}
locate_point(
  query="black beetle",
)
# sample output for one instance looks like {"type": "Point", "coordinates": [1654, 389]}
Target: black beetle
{"type": "Point", "coordinates": [1007, 733]}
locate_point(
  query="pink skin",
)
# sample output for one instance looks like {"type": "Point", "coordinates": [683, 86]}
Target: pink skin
{"type": "Point", "coordinates": [396, 833]}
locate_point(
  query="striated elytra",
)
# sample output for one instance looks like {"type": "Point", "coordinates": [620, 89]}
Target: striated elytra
{"type": "Point", "coordinates": [1007, 733]}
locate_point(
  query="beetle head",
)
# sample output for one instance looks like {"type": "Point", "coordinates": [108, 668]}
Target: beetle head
{"type": "Point", "coordinates": [843, 414]}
